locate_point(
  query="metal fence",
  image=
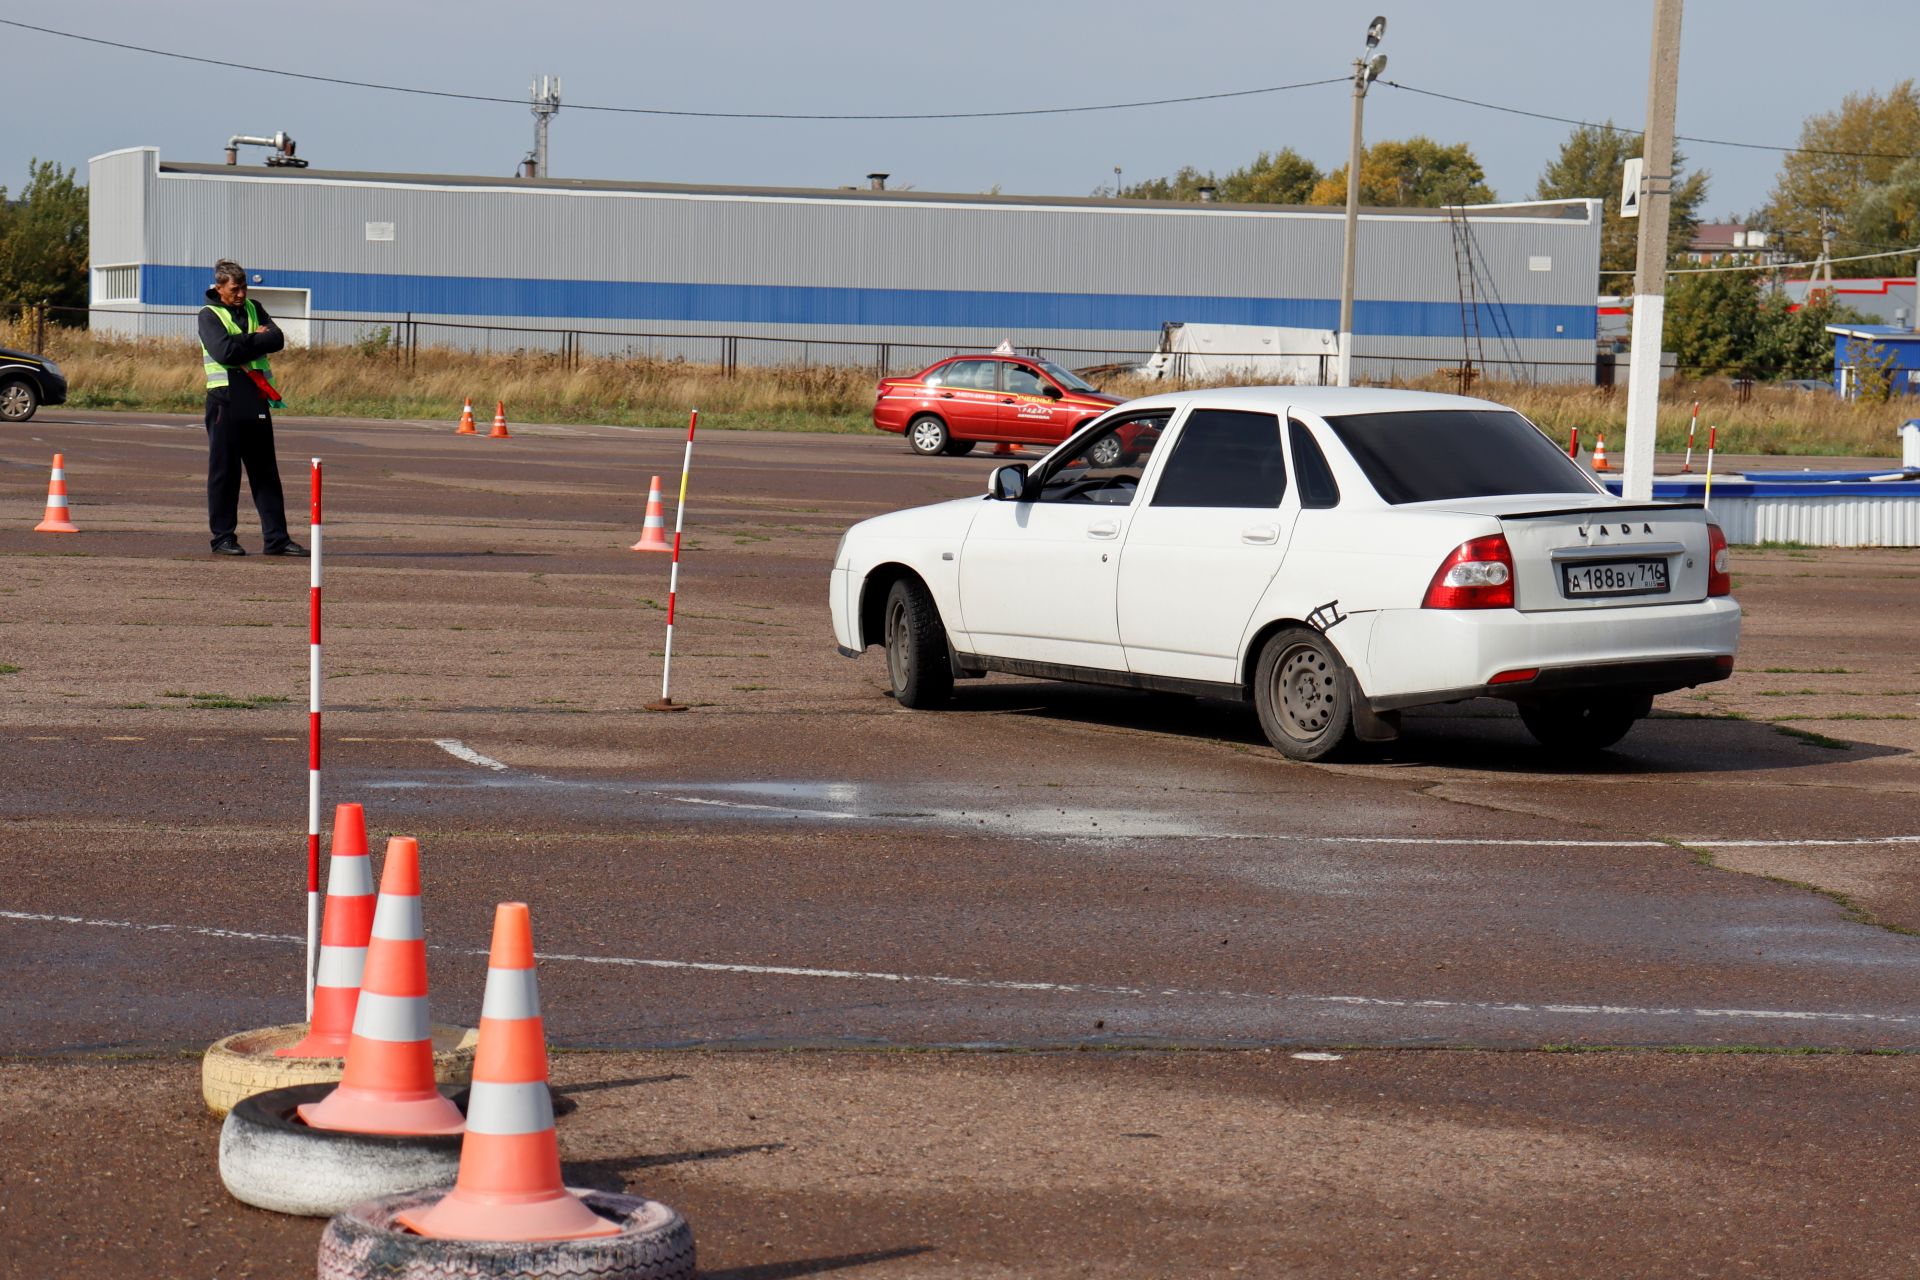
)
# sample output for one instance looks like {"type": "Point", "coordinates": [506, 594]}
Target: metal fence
{"type": "Point", "coordinates": [402, 338]}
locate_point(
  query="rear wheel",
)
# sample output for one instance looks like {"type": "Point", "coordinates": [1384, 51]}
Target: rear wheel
{"type": "Point", "coordinates": [919, 674]}
{"type": "Point", "coordinates": [960, 448]}
{"type": "Point", "coordinates": [1301, 690]}
{"type": "Point", "coordinates": [1583, 722]}
{"type": "Point", "coordinates": [18, 400]}
{"type": "Point", "coordinates": [1105, 452]}
{"type": "Point", "coordinates": [927, 435]}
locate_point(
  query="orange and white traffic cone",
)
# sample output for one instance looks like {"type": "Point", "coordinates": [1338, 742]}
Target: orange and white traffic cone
{"type": "Point", "coordinates": [499, 431]}
{"type": "Point", "coordinates": [56, 520]}
{"type": "Point", "coordinates": [388, 1083]}
{"type": "Point", "coordinates": [1600, 452]}
{"type": "Point", "coordinates": [509, 1186]}
{"type": "Point", "coordinates": [653, 534]}
{"type": "Point", "coordinates": [466, 427]}
{"type": "Point", "coordinates": [1006, 450]}
{"type": "Point", "coordinates": [344, 933]}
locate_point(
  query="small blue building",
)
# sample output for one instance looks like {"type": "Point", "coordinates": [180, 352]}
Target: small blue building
{"type": "Point", "coordinates": [1852, 341]}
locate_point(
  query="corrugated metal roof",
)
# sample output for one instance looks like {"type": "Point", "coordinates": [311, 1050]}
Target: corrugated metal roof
{"type": "Point", "coordinates": [1575, 210]}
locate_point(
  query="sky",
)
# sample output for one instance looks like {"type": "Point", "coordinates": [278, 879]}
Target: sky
{"type": "Point", "coordinates": [1750, 71]}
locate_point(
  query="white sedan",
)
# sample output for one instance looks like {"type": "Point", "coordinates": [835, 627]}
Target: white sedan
{"type": "Point", "coordinates": [1332, 555]}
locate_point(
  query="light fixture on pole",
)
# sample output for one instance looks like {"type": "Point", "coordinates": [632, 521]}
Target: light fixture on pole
{"type": "Point", "coordinates": [1366, 69]}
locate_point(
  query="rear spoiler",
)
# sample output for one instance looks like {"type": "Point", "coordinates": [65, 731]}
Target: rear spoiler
{"type": "Point", "coordinates": [1596, 511]}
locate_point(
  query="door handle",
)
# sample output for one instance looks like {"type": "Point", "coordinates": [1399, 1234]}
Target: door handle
{"type": "Point", "coordinates": [946, 395]}
{"type": "Point", "coordinates": [1261, 535]}
{"type": "Point", "coordinates": [1104, 529]}
{"type": "Point", "coordinates": [1006, 400]}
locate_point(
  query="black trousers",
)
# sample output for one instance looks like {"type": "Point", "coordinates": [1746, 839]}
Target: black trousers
{"type": "Point", "coordinates": [236, 440]}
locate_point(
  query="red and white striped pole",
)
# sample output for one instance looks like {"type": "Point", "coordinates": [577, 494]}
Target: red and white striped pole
{"type": "Point", "coordinates": [666, 702]}
{"type": "Point", "coordinates": [313, 735]}
{"type": "Point", "coordinates": [1686, 468]}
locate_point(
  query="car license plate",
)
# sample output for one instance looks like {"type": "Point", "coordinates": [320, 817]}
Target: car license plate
{"type": "Point", "coordinates": [1615, 578]}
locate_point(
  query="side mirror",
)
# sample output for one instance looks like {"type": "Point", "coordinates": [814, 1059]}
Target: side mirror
{"type": "Point", "coordinates": [1050, 391]}
{"type": "Point", "coordinates": [1006, 484]}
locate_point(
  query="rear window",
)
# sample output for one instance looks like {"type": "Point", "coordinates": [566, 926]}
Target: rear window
{"type": "Point", "coordinates": [1427, 455]}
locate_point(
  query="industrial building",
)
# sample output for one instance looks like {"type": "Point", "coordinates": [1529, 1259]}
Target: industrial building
{"type": "Point", "coordinates": [891, 279]}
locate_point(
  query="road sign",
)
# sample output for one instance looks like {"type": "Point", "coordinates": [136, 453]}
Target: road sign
{"type": "Point", "coordinates": [1630, 189]}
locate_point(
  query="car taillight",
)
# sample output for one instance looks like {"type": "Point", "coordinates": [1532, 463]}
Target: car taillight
{"type": "Point", "coordinates": [1719, 563]}
{"type": "Point", "coordinates": [1478, 575]}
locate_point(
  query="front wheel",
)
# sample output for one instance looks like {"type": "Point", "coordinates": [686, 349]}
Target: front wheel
{"type": "Point", "coordinates": [1105, 452]}
{"type": "Point", "coordinates": [18, 400]}
{"type": "Point", "coordinates": [1302, 693]}
{"type": "Point", "coordinates": [1581, 723]}
{"type": "Point", "coordinates": [960, 448]}
{"type": "Point", "coordinates": [927, 435]}
{"type": "Point", "coordinates": [919, 674]}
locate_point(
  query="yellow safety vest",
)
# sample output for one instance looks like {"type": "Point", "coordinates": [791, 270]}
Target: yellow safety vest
{"type": "Point", "coordinates": [217, 372]}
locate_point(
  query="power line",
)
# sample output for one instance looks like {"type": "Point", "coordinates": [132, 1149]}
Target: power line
{"type": "Point", "coordinates": [665, 111]}
{"type": "Point", "coordinates": [1771, 266]}
{"type": "Point", "coordinates": [1615, 128]}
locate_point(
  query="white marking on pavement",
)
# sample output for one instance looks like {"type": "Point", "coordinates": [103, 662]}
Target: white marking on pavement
{"type": "Point", "coordinates": [1062, 988]}
{"type": "Point", "coordinates": [763, 808]}
{"type": "Point", "coordinates": [1317, 1057]}
{"type": "Point", "coordinates": [454, 747]}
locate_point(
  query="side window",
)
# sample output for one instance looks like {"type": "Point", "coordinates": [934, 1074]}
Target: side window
{"type": "Point", "coordinates": [973, 375]}
{"type": "Point", "coordinates": [940, 377]}
{"type": "Point", "coordinates": [1018, 380]}
{"type": "Point", "coordinates": [1105, 466]}
{"type": "Point", "coordinates": [1224, 458]}
{"type": "Point", "coordinates": [1318, 490]}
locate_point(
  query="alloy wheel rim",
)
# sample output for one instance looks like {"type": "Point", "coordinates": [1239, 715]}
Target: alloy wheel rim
{"type": "Point", "coordinates": [896, 646]}
{"type": "Point", "coordinates": [926, 437]}
{"type": "Point", "coordinates": [13, 401]}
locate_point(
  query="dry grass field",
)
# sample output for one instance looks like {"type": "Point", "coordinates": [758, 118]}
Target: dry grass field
{"type": "Point", "coordinates": [164, 375]}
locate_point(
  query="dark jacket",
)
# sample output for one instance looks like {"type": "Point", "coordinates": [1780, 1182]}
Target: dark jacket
{"type": "Point", "coordinates": [240, 396]}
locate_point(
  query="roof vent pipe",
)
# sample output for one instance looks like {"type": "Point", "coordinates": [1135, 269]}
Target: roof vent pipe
{"type": "Point", "coordinates": [281, 144]}
{"type": "Point", "coordinates": [877, 181]}
{"type": "Point", "coordinates": [1206, 195]}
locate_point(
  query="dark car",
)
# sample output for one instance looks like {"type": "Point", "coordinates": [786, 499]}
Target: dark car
{"type": "Point", "coordinates": [953, 405]}
{"type": "Point", "coordinates": [26, 383]}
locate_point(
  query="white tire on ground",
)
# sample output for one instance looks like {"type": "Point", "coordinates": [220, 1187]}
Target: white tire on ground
{"type": "Point", "coordinates": [654, 1243]}
{"type": "Point", "coordinates": [270, 1160]}
{"type": "Point", "coordinates": [244, 1063]}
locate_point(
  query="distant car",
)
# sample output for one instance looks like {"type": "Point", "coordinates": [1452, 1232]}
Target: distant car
{"type": "Point", "coordinates": [1808, 384]}
{"type": "Point", "coordinates": [26, 383]}
{"type": "Point", "coordinates": [953, 405]}
{"type": "Point", "coordinates": [1332, 555]}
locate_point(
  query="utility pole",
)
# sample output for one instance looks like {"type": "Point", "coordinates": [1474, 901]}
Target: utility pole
{"type": "Point", "coordinates": [1650, 268]}
{"type": "Point", "coordinates": [546, 103]}
{"type": "Point", "coordinates": [1366, 69]}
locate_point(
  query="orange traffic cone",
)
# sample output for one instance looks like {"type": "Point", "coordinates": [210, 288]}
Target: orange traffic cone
{"type": "Point", "coordinates": [1005, 450]}
{"type": "Point", "coordinates": [1600, 452]}
{"type": "Point", "coordinates": [466, 427]}
{"type": "Point", "coordinates": [344, 932]}
{"type": "Point", "coordinates": [653, 534]}
{"type": "Point", "coordinates": [388, 1083]}
{"type": "Point", "coordinates": [499, 431]}
{"type": "Point", "coordinates": [509, 1186]}
{"type": "Point", "coordinates": [56, 518]}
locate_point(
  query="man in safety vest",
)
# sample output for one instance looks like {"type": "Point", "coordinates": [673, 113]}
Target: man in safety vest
{"type": "Point", "coordinates": [236, 337]}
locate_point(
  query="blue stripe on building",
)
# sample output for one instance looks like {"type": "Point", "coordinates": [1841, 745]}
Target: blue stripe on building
{"type": "Point", "coordinates": [745, 305]}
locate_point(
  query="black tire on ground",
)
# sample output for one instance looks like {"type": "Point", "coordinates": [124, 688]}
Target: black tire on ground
{"type": "Point", "coordinates": [919, 674]}
{"type": "Point", "coordinates": [927, 435]}
{"type": "Point", "coordinates": [1301, 691]}
{"type": "Point", "coordinates": [655, 1243]}
{"type": "Point", "coordinates": [960, 448]}
{"type": "Point", "coordinates": [18, 399]}
{"type": "Point", "coordinates": [1581, 723]}
{"type": "Point", "coordinates": [270, 1160]}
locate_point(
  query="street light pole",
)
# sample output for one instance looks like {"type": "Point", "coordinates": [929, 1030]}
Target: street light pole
{"type": "Point", "coordinates": [1365, 71]}
{"type": "Point", "coordinates": [1650, 268]}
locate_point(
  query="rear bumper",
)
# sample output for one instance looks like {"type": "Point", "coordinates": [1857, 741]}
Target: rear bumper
{"type": "Point", "coordinates": [1422, 656]}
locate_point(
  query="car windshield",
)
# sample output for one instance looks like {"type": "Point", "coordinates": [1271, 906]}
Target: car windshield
{"type": "Point", "coordinates": [1426, 455]}
{"type": "Point", "coordinates": [1067, 378]}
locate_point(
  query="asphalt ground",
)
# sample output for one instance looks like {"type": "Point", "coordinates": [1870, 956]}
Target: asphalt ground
{"type": "Point", "coordinates": [1121, 887]}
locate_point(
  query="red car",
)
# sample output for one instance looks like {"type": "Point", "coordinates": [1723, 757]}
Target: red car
{"type": "Point", "coordinates": [959, 402]}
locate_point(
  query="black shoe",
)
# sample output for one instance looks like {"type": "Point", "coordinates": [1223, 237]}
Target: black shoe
{"type": "Point", "coordinates": [228, 546]}
{"type": "Point", "coordinates": [288, 548]}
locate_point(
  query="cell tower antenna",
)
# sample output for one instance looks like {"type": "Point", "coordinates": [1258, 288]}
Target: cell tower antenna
{"type": "Point", "coordinates": [546, 104]}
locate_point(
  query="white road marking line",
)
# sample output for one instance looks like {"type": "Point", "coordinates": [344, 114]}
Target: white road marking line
{"type": "Point", "coordinates": [763, 808]}
{"type": "Point", "coordinates": [454, 747]}
{"type": "Point", "coordinates": [1057, 988]}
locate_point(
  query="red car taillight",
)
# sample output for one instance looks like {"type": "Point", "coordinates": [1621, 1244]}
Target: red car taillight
{"type": "Point", "coordinates": [1478, 575]}
{"type": "Point", "coordinates": [1719, 563]}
